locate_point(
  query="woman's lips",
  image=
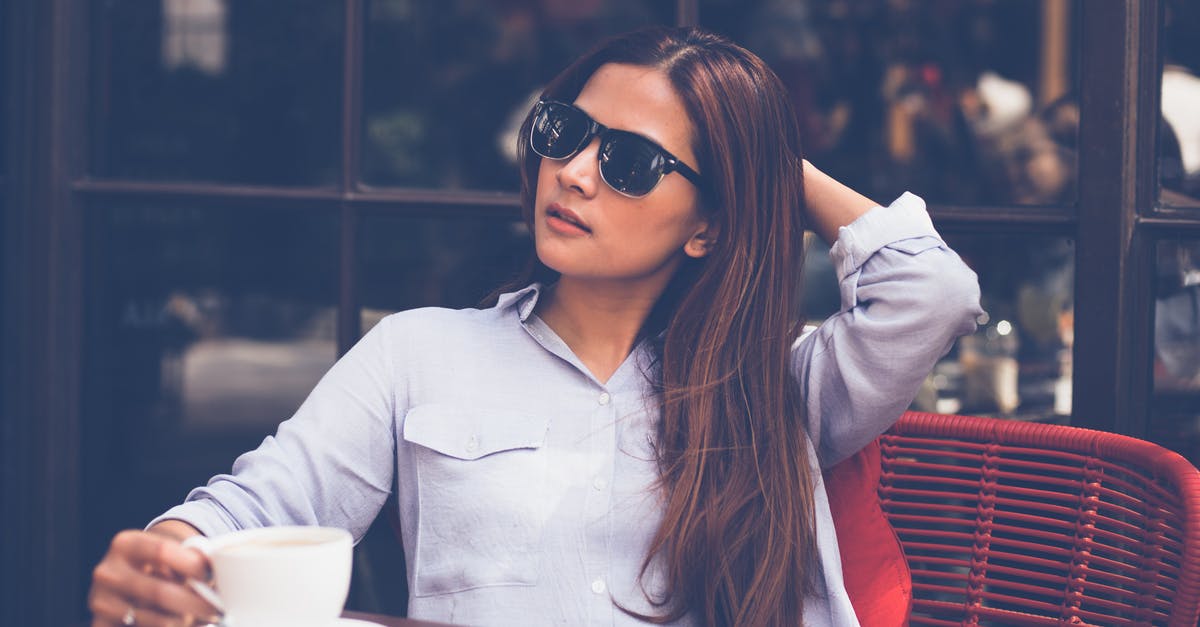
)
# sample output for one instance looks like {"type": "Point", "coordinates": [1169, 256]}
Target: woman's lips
{"type": "Point", "coordinates": [565, 222]}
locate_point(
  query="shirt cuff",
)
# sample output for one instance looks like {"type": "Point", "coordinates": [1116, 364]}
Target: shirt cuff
{"type": "Point", "coordinates": [905, 218]}
{"type": "Point", "coordinates": [204, 517]}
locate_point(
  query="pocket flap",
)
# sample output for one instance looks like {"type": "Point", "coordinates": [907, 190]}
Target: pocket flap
{"type": "Point", "coordinates": [469, 433]}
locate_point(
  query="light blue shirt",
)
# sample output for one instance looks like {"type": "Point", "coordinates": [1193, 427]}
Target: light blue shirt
{"type": "Point", "coordinates": [525, 485]}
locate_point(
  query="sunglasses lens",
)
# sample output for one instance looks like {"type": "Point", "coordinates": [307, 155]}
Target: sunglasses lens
{"type": "Point", "coordinates": [557, 131]}
{"type": "Point", "coordinates": [630, 164]}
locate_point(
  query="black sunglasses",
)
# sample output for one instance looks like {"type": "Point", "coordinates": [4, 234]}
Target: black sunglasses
{"type": "Point", "coordinates": [629, 163]}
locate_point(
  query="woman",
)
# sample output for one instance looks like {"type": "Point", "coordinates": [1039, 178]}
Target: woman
{"type": "Point", "coordinates": [636, 434]}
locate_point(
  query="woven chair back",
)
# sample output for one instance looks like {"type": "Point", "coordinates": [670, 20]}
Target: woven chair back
{"type": "Point", "coordinates": [1013, 523]}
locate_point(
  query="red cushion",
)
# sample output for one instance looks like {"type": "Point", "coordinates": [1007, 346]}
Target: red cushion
{"type": "Point", "coordinates": [877, 576]}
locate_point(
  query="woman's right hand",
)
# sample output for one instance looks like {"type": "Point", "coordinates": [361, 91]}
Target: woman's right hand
{"type": "Point", "coordinates": [142, 580]}
{"type": "Point", "coordinates": [830, 204]}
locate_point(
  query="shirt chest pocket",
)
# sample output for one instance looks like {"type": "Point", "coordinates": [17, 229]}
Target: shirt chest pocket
{"type": "Point", "coordinates": [481, 496]}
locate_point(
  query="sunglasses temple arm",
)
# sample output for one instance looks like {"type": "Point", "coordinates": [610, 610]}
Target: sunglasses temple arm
{"type": "Point", "coordinates": [687, 172]}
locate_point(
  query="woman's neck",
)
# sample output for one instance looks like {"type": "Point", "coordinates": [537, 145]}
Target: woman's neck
{"type": "Point", "coordinates": [599, 321]}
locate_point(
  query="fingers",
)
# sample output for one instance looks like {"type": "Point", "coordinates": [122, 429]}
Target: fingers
{"type": "Point", "coordinates": [147, 572]}
{"type": "Point", "coordinates": [140, 547]}
{"type": "Point", "coordinates": [109, 611]}
{"type": "Point", "coordinates": [134, 587]}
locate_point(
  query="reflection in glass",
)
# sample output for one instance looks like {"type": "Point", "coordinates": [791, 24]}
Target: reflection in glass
{"type": "Point", "coordinates": [5, 108]}
{"type": "Point", "coordinates": [1175, 409]}
{"type": "Point", "coordinates": [1177, 316]}
{"type": "Point", "coordinates": [210, 322]}
{"type": "Point", "coordinates": [967, 102]}
{"type": "Point", "coordinates": [218, 90]}
{"type": "Point", "coordinates": [1179, 130]}
{"type": "Point", "coordinates": [195, 34]}
{"type": "Point", "coordinates": [1018, 364]}
{"type": "Point", "coordinates": [205, 328]}
{"type": "Point", "coordinates": [409, 262]}
{"type": "Point", "coordinates": [447, 83]}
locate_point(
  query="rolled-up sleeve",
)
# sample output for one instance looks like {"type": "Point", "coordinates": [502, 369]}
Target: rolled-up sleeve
{"type": "Point", "coordinates": [905, 298]}
{"type": "Point", "coordinates": [332, 463]}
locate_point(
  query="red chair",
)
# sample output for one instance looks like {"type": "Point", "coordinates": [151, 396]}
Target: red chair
{"type": "Point", "coordinates": [1014, 523]}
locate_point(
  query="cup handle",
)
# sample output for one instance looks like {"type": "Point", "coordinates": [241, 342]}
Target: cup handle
{"type": "Point", "coordinates": [204, 545]}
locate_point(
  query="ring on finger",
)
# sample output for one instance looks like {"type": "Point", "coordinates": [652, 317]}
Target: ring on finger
{"type": "Point", "coordinates": [130, 618]}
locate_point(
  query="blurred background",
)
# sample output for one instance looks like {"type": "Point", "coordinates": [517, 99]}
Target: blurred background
{"type": "Point", "coordinates": [206, 202]}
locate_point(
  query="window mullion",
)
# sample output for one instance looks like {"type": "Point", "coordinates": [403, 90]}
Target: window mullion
{"type": "Point", "coordinates": [1112, 300]}
{"type": "Point", "coordinates": [687, 12]}
{"type": "Point", "coordinates": [352, 113]}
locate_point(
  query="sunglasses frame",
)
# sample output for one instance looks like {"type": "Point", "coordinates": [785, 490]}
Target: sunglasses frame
{"type": "Point", "coordinates": [671, 163]}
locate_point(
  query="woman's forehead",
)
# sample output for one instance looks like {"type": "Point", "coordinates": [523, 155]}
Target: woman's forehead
{"type": "Point", "coordinates": [642, 100]}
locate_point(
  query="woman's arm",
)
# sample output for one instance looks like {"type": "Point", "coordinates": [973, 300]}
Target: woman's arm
{"type": "Point", "coordinates": [331, 464]}
{"type": "Point", "coordinates": [175, 529]}
{"type": "Point", "coordinates": [829, 204]}
{"type": "Point", "coordinates": [905, 298]}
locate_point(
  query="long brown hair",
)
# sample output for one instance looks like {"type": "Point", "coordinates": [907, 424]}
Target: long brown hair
{"type": "Point", "coordinates": [736, 542]}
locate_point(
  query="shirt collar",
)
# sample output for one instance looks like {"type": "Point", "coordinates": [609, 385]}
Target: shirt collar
{"type": "Point", "coordinates": [523, 300]}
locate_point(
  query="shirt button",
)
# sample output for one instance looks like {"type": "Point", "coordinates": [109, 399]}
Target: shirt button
{"type": "Point", "coordinates": [598, 586]}
{"type": "Point", "coordinates": [472, 444]}
{"type": "Point", "coordinates": [599, 483]}
{"type": "Point", "coordinates": [604, 398]}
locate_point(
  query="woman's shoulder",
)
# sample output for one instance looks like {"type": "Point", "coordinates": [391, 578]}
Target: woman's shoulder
{"type": "Point", "coordinates": [433, 343]}
{"type": "Point", "coordinates": [438, 332]}
{"type": "Point", "coordinates": [428, 322]}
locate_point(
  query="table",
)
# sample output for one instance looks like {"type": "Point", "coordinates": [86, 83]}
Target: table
{"type": "Point", "coordinates": [382, 619]}
{"type": "Point", "coordinates": [390, 621]}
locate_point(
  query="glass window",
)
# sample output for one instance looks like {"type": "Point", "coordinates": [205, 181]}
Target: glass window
{"type": "Point", "coordinates": [1175, 409]}
{"type": "Point", "coordinates": [448, 83]}
{"type": "Point", "coordinates": [1179, 129]}
{"type": "Point", "coordinates": [408, 262]}
{"type": "Point", "coordinates": [5, 113]}
{"type": "Point", "coordinates": [1018, 364]}
{"type": "Point", "coordinates": [245, 91]}
{"type": "Point", "coordinates": [205, 329]}
{"type": "Point", "coordinates": [1177, 316]}
{"type": "Point", "coordinates": [967, 102]}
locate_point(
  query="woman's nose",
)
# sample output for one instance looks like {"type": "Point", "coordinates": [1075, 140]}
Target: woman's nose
{"type": "Point", "coordinates": [582, 171]}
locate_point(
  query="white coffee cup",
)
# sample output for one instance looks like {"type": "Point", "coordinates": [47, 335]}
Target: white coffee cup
{"type": "Point", "coordinates": [278, 576]}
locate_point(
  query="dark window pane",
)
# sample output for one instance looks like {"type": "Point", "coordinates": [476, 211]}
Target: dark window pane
{"type": "Point", "coordinates": [1177, 316]}
{"type": "Point", "coordinates": [5, 113]}
{"type": "Point", "coordinates": [1018, 364]}
{"type": "Point", "coordinates": [408, 262]}
{"type": "Point", "coordinates": [965, 102]}
{"type": "Point", "coordinates": [1175, 415]}
{"type": "Point", "coordinates": [205, 329]}
{"type": "Point", "coordinates": [447, 82]}
{"type": "Point", "coordinates": [244, 91]}
{"type": "Point", "coordinates": [1179, 130]}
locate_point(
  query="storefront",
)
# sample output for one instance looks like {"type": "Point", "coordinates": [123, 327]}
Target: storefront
{"type": "Point", "coordinates": [206, 202]}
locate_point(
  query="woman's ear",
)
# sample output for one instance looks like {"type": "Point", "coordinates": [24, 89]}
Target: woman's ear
{"type": "Point", "coordinates": [701, 243]}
